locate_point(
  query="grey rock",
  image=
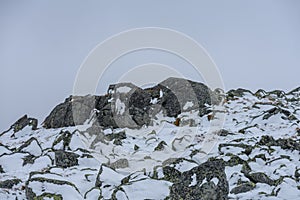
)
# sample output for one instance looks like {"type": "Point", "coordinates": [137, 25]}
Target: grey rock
{"type": "Point", "coordinates": [260, 177]}
{"type": "Point", "coordinates": [177, 92]}
{"type": "Point", "coordinates": [28, 160]}
{"type": "Point", "coordinates": [64, 137]}
{"type": "Point", "coordinates": [22, 123]}
{"type": "Point", "coordinates": [171, 174]}
{"type": "Point", "coordinates": [136, 105]}
{"type": "Point", "coordinates": [116, 136]}
{"type": "Point", "coordinates": [260, 93]}
{"type": "Point", "coordinates": [121, 163]}
{"type": "Point", "coordinates": [137, 109]}
{"type": "Point", "coordinates": [224, 133]}
{"type": "Point", "coordinates": [66, 159]}
{"type": "Point", "coordinates": [231, 94]}
{"type": "Point", "coordinates": [168, 101]}
{"type": "Point", "coordinates": [8, 184]}
{"type": "Point", "coordinates": [160, 146]}
{"type": "Point", "coordinates": [74, 111]}
{"type": "Point", "coordinates": [28, 143]}
{"type": "Point", "coordinates": [183, 188]}
{"type": "Point", "coordinates": [98, 132]}
{"type": "Point", "coordinates": [136, 147]}
{"type": "Point", "coordinates": [244, 187]}
{"type": "Point", "coordinates": [49, 194]}
{"type": "Point", "coordinates": [286, 114]}
{"type": "Point", "coordinates": [283, 143]}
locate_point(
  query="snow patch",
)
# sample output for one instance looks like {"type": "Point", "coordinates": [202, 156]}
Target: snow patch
{"type": "Point", "coordinates": [123, 89]}
{"type": "Point", "coordinates": [188, 105]}
{"type": "Point", "coordinates": [120, 107]}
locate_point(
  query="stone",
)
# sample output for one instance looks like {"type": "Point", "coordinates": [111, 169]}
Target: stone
{"type": "Point", "coordinates": [121, 163]}
{"type": "Point", "coordinates": [96, 132]}
{"type": "Point", "coordinates": [74, 111]}
{"type": "Point", "coordinates": [260, 177]}
{"type": "Point", "coordinates": [31, 146]}
{"type": "Point", "coordinates": [174, 93]}
{"type": "Point", "coordinates": [64, 137]}
{"type": "Point", "coordinates": [160, 146]}
{"type": "Point", "coordinates": [231, 94]}
{"type": "Point", "coordinates": [126, 105]}
{"type": "Point", "coordinates": [8, 184]}
{"type": "Point", "coordinates": [244, 187]}
{"type": "Point", "coordinates": [283, 143]}
{"type": "Point", "coordinates": [66, 159]}
{"type": "Point", "coordinates": [203, 187]}
{"type": "Point", "coordinates": [53, 191]}
{"type": "Point", "coordinates": [171, 174]}
{"type": "Point", "coordinates": [22, 123]}
{"type": "Point", "coordinates": [136, 147]}
{"type": "Point", "coordinates": [28, 160]}
{"type": "Point", "coordinates": [224, 133]}
{"type": "Point", "coordinates": [116, 136]}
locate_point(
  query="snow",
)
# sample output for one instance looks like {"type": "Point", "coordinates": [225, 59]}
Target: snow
{"type": "Point", "coordinates": [247, 111]}
{"type": "Point", "coordinates": [123, 89]}
{"type": "Point", "coordinates": [188, 105]}
{"type": "Point", "coordinates": [215, 181]}
{"type": "Point", "coordinates": [120, 107]}
{"type": "Point", "coordinates": [4, 150]}
{"type": "Point", "coordinates": [12, 163]}
{"type": "Point", "coordinates": [194, 180]}
{"type": "Point", "coordinates": [154, 101]}
{"type": "Point", "coordinates": [76, 141]}
{"type": "Point", "coordinates": [34, 148]}
{"type": "Point", "coordinates": [161, 94]}
{"type": "Point", "coordinates": [144, 189]}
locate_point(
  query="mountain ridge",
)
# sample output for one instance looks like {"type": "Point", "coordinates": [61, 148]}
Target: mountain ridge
{"type": "Point", "coordinates": [171, 150]}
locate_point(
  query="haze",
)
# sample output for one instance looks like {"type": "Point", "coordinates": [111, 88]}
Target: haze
{"type": "Point", "coordinates": [255, 44]}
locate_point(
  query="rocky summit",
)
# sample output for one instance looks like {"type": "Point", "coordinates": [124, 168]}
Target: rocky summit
{"type": "Point", "coordinates": [176, 140]}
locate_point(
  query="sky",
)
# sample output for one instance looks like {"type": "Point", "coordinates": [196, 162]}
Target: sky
{"type": "Point", "coordinates": [255, 44]}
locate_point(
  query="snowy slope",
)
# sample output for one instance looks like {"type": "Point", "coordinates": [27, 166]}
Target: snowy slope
{"type": "Point", "coordinates": [255, 155]}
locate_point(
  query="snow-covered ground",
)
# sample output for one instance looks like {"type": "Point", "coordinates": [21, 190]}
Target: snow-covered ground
{"type": "Point", "coordinates": [258, 146]}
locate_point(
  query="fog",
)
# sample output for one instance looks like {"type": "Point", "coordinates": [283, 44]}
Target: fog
{"type": "Point", "coordinates": [255, 44]}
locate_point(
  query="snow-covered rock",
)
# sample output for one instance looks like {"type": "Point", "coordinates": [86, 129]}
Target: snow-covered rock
{"type": "Point", "coordinates": [184, 153]}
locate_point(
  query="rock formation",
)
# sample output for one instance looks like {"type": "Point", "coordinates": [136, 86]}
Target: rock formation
{"type": "Point", "coordinates": [135, 143]}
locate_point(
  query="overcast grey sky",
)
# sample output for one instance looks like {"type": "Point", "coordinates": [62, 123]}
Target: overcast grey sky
{"type": "Point", "coordinates": [255, 44]}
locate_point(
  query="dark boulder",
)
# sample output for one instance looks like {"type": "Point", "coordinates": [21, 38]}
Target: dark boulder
{"type": "Point", "coordinates": [283, 143]}
{"type": "Point", "coordinates": [200, 182]}
{"type": "Point", "coordinates": [66, 159]}
{"type": "Point", "coordinates": [235, 93]}
{"type": "Point", "coordinates": [260, 177]}
{"type": "Point", "coordinates": [242, 188]}
{"type": "Point", "coordinates": [8, 184]}
{"type": "Point", "coordinates": [74, 111]}
{"type": "Point", "coordinates": [178, 95]}
{"type": "Point", "coordinates": [22, 123]}
{"type": "Point", "coordinates": [126, 105]}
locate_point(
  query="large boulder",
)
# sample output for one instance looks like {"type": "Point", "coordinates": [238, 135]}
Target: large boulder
{"type": "Point", "coordinates": [74, 111]}
{"type": "Point", "coordinates": [22, 123]}
{"type": "Point", "coordinates": [207, 182]}
{"type": "Point", "coordinates": [66, 159]}
{"type": "Point", "coordinates": [126, 105]}
{"type": "Point", "coordinates": [177, 95]}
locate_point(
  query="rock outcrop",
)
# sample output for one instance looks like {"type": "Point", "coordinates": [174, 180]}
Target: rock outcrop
{"type": "Point", "coordinates": [22, 123]}
{"type": "Point", "coordinates": [126, 105]}
{"type": "Point", "coordinates": [208, 181]}
{"type": "Point", "coordinates": [128, 147]}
